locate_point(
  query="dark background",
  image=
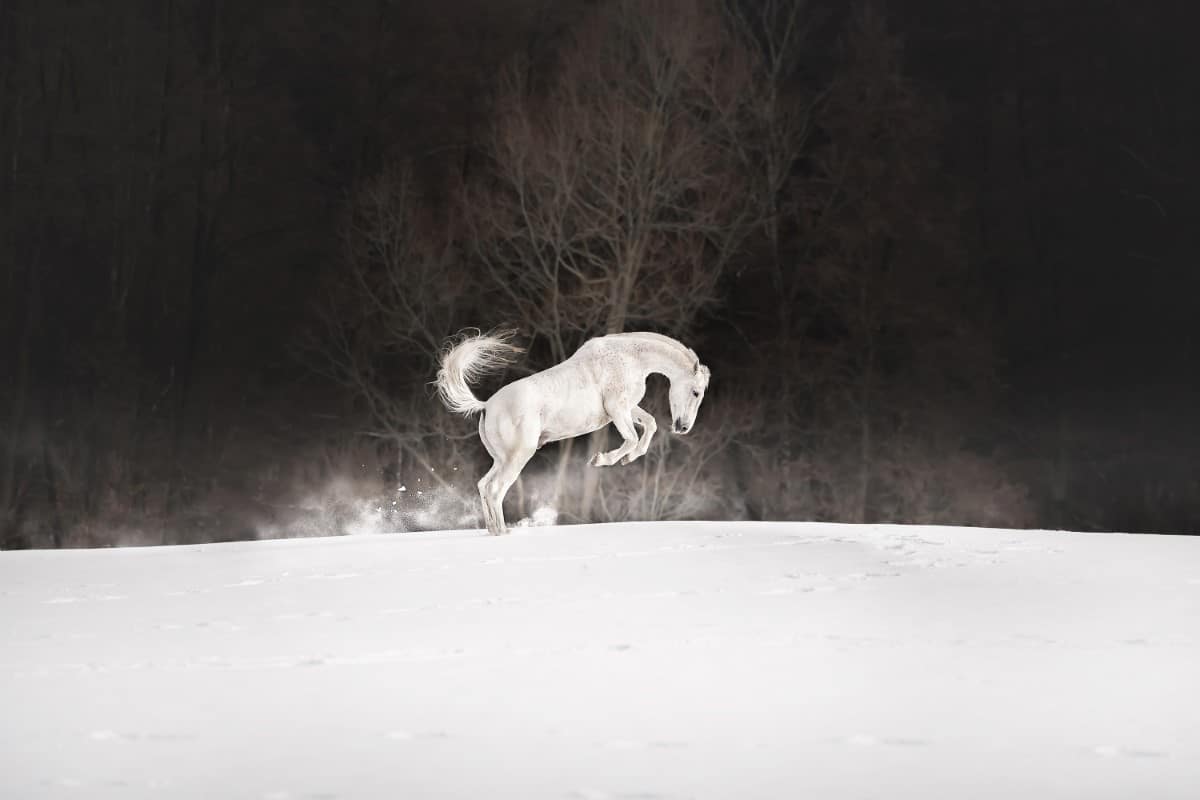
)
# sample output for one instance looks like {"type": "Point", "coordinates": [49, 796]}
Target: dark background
{"type": "Point", "coordinates": [182, 219]}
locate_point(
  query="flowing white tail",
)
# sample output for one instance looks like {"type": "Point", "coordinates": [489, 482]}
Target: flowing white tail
{"type": "Point", "coordinates": [466, 360]}
{"type": "Point", "coordinates": [602, 382]}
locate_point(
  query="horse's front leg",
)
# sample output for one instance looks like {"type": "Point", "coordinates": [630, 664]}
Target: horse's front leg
{"type": "Point", "coordinates": [623, 420]}
{"type": "Point", "coordinates": [646, 422]}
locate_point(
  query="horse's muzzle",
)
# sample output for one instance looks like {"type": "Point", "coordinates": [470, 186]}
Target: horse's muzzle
{"type": "Point", "coordinates": [679, 427]}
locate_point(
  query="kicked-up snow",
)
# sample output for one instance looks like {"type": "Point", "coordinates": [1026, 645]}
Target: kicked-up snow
{"type": "Point", "coordinates": [628, 661]}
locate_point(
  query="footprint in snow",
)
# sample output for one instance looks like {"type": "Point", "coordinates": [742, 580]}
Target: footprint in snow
{"type": "Point", "coordinates": [866, 576]}
{"type": "Point", "coordinates": [1113, 751]}
{"type": "Point", "coordinates": [866, 740]}
{"type": "Point", "coordinates": [106, 735]}
{"type": "Point", "coordinates": [633, 744]}
{"type": "Point", "coordinates": [591, 794]}
{"type": "Point", "coordinates": [409, 736]}
{"type": "Point", "coordinates": [1033, 638]}
{"type": "Point", "coordinates": [920, 540]}
{"type": "Point", "coordinates": [64, 600]}
{"type": "Point", "coordinates": [66, 782]}
{"type": "Point", "coordinates": [1020, 546]}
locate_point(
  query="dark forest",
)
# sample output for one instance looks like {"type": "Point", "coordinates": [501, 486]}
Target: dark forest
{"type": "Point", "coordinates": [941, 258]}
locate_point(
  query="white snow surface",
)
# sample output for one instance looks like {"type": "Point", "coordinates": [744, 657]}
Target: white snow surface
{"type": "Point", "coordinates": [626, 661]}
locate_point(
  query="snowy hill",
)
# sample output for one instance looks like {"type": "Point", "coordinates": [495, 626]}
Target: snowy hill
{"type": "Point", "coordinates": [674, 660]}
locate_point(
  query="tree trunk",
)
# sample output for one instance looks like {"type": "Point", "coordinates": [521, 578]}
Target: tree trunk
{"type": "Point", "coordinates": [866, 399]}
{"type": "Point", "coordinates": [1035, 214]}
{"type": "Point", "coordinates": [140, 330]}
{"type": "Point", "coordinates": [215, 152]}
{"type": "Point", "coordinates": [866, 442]}
{"type": "Point", "coordinates": [20, 387]}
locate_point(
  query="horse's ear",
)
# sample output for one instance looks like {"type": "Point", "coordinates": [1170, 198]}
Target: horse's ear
{"type": "Point", "coordinates": [702, 373]}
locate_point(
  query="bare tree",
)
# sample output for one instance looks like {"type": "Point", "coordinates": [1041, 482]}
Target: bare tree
{"type": "Point", "coordinates": [771, 136]}
{"type": "Point", "coordinates": [770, 133]}
{"type": "Point", "coordinates": [897, 347]}
{"type": "Point", "coordinates": [401, 291]}
{"type": "Point", "coordinates": [613, 200]}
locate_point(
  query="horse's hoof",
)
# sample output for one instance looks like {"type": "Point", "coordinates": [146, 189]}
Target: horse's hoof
{"type": "Point", "coordinates": [596, 460]}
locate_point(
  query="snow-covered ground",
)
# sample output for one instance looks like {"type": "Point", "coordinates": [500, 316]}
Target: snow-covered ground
{"type": "Point", "coordinates": [633, 661]}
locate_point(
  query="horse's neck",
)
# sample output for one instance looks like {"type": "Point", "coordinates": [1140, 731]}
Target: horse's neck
{"type": "Point", "coordinates": [664, 356]}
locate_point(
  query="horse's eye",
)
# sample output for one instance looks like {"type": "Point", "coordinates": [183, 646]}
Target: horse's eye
{"type": "Point", "coordinates": [695, 392]}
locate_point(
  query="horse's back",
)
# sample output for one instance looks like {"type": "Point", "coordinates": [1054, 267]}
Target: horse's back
{"type": "Point", "coordinates": [559, 402]}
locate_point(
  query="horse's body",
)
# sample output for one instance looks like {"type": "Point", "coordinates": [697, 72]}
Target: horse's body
{"type": "Point", "coordinates": [602, 382]}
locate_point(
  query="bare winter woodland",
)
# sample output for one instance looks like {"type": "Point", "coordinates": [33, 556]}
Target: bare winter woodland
{"type": "Point", "coordinates": [670, 152]}
{"type": "Point", "coordinates": [196, 353]}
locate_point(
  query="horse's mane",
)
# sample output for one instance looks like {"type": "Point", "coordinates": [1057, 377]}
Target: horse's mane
{"type": "Point", "coordinates": [674, 344]}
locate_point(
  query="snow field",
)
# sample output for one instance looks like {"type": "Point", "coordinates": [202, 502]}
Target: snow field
{"type": "Point", "coordinates": [631, 661]}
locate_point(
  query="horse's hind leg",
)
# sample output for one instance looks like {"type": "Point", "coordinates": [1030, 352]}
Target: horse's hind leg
{"type": "Point", "coordinates": [511, 445]}
{"type": "Point", "coordinates": [503, 475]}
{"type": "Point", "coordinates": [489, 514]}
{"type": "Point", "coordinates": [493, 525]}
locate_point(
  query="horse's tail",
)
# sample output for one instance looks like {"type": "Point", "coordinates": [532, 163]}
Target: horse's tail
{"type": "Point", "coordinates": [468, 357]}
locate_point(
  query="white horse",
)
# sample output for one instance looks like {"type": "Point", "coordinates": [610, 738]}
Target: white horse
{"type": "Point", "coordinates": [602, 382]}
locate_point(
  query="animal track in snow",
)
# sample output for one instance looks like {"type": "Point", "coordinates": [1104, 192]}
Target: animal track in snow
{"type": "Point", "coordinates": [294, 615]}
{"type": "Point", "coordinates": [782, 590]}
{"type": "Point", "coordinates": [867, 740]}
{"type": "Point", "coordinates": [637, 744]}
{"type": "Point", "coordinates": [1113, 751]}
{"type": "Point", "coordinates": [67, 599]}
{"type": "Point", "coordinates": [401, 735]}
{"type": "Point", "coordinates": [1032, 639]}
{"type": "Point", "coordinates": [105, 735]}
{"type": "Point", "coordinates": [866, 576]}
{"type": "Point", "coordinates": [599, 794]}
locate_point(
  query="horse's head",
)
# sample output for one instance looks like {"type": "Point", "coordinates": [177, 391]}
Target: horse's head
{"type": "Point", "coordinates": [686, 396]}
